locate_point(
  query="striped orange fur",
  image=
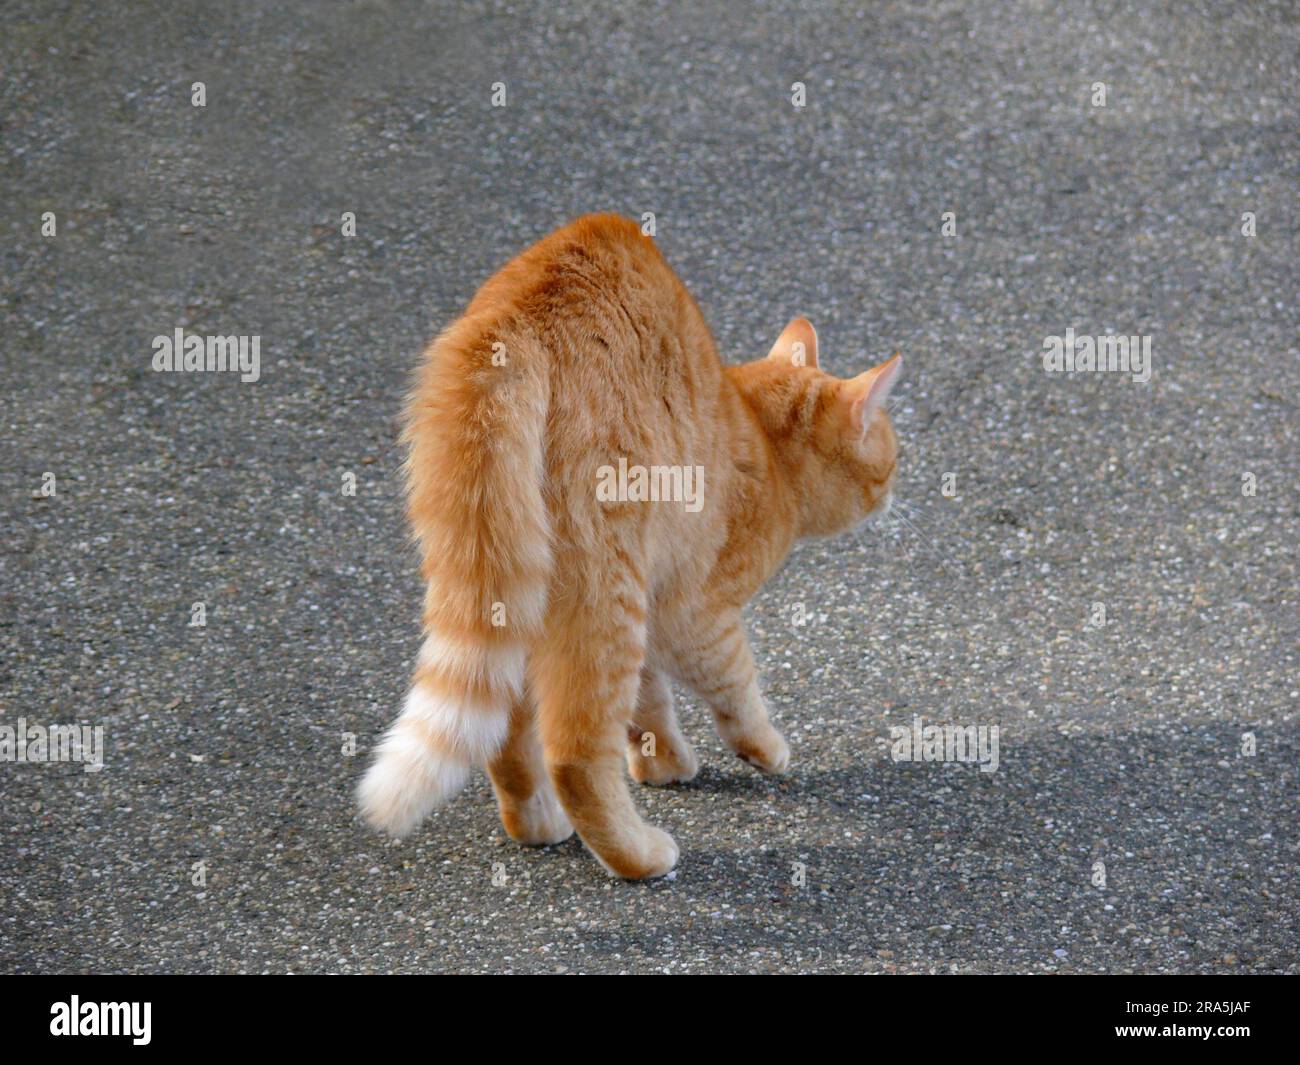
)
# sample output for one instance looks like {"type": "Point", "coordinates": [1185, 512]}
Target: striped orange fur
{"type": "Point", "coordinates": [555, 615]}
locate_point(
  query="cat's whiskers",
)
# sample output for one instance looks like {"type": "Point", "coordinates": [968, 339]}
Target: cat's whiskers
{"type": "Point", "coordinates": [908, 527]}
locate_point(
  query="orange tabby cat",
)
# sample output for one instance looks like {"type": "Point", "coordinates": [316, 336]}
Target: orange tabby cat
{"type": "Point", "coordinates": [596, 497]}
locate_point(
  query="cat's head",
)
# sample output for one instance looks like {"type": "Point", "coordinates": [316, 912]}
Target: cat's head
{"type": "Point", "coordinates": [831, 437]}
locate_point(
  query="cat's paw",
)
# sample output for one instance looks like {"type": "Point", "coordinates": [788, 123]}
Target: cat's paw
{"type": "Point", "coordinates": [674, 765]}
{"type": "Point", "coordinates": [538, 822]}
{"type": "Point", "coordinates": [650, 853]}
{"type": "Point", "coordinates": [764, 749]}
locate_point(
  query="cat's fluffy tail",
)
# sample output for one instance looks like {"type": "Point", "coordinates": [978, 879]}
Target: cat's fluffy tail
{"type": "Point", "coordinates": [475, 427]}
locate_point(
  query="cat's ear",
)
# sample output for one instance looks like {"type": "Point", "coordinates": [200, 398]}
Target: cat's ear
{"type": "Point", "coordinates": [797, 344]}
{"type": "Point", "coordinates": [866, 393]}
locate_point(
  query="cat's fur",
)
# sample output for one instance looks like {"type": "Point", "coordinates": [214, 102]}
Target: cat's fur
{"type": "Point", "coordinates": [553, 620]}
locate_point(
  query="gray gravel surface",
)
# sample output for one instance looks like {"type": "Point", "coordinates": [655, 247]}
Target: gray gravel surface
{"type": "Point", "coordinates": [1120, 744]}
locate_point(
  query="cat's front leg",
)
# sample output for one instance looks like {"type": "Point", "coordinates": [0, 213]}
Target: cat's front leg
{"type": "Point", "coordinates": [712, 656]}
{"type": "Point", "coordinates": [657, 752]}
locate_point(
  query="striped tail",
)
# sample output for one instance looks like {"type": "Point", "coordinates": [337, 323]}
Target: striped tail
{"type": "Point", "coordinates": [476, 435]}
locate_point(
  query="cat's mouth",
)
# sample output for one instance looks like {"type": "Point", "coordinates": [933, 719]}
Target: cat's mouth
{"type": "Point", "coordinates": [878, 514]}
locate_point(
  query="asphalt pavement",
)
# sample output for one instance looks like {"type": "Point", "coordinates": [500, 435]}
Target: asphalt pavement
{"type": "Point", "coordinates": [956, 186]}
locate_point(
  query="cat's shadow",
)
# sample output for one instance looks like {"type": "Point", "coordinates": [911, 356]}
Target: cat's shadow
{"type": "Point", "coordinates": [722, 779]}
{"type": "Point", "coordinates": [875, 860]}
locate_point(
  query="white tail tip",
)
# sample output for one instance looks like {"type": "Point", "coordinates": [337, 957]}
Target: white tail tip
{"type": "Point", "coordinates": [425, 758]}
{"type": "Point", "coordinates": [406, 782]}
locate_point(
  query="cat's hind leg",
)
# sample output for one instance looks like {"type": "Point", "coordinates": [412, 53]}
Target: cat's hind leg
{"type": "Point", "coordinates": [530, 810]}
{"type": "Point", "coordinates": [657, 752]}
{"type": "Point", "coordinates": [586, 672]}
